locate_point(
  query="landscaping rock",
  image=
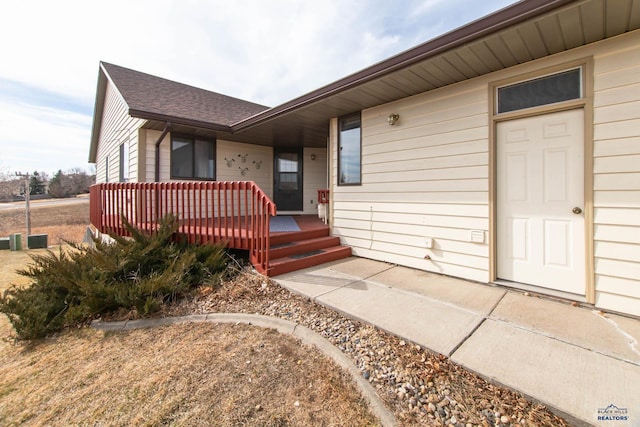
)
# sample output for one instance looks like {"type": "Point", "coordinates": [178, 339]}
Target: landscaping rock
{"type": "Point", "coordinates": [420, 387]}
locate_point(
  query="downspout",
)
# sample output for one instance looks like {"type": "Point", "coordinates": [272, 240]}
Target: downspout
{"type": "Point", "coordinates": [156, 198]}
{"type": "Point", "coordinates": [167, 128]}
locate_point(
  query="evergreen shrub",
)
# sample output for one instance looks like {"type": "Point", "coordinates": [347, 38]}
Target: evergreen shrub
{"type": "Point", "coordinates": [135, 274]}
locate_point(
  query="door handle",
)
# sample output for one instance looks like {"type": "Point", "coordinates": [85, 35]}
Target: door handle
{"type": "Point", "coordinates": [576, 210]}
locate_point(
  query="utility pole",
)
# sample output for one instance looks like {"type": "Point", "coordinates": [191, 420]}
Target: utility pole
{"type": "Point", "coordinates": [27, 191]}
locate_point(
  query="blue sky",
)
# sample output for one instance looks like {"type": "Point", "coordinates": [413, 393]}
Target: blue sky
{"type": "Point", "coordinates": [262, 51]}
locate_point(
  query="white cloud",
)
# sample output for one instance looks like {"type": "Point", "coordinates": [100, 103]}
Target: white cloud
{"type": "Point", "coordinates": [43, 139]}
{"type": "Point", "coordinates": [263, 51]}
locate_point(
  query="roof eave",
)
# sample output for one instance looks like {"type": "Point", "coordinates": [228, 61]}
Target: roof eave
{"type": "Point", "coordinates": [147, 115]}
{"type": "Point", "coordinates": [98, 109]}
{"type": "Point", "coordinates": [482, 27]}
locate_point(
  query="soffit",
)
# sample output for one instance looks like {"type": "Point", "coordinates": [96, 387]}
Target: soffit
{"type": "Point", "coordinates": [294, 130]}
{"type": "Point", "coordinates": [567, 27]}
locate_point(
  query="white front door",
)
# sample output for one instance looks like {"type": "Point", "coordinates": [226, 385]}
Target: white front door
{"type": "Point", "coordinates": [540, 188]}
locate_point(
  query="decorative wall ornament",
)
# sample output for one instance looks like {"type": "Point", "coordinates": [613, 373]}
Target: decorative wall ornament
{"type": "Point", "coordinates": [243, 157]}
{"type": "Point", "coordinates": [258, 164]}
{"type": "Point", "coordinates": [229, 162]}
{"type": "Point", "coordinates": [243, 171]}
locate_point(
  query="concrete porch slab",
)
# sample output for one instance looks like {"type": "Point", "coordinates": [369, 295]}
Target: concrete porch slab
{"type": "Point", "coordinates": [606, 334]}
{"type": "Point", "coordinates": [361, 268]}
{"type": "Point", "coordinates": [435, 325]}
{"type": "Point", "coordinates": [471, 296]}
{"type": "Point", "coordinates": [315, 281]}
{"type": "Point", "coordinates": [573, 359]}
{"type": "Point", "coordinates": [558, 374]}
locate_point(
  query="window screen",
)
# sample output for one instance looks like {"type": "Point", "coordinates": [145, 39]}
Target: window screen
{"type": "Point", "coordinates": [542, 91]}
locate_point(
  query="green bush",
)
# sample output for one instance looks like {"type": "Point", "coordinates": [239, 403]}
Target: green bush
{"type": "Point", "coordinates": [138, 273]}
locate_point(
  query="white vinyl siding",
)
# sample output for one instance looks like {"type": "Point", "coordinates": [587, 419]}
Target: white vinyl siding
{"type": "Point", "coordinates": [616, 166]}
{"type": "Point", "coordinates": [117, 127]}
{"type": "Point", "coordinates": [426, 177]}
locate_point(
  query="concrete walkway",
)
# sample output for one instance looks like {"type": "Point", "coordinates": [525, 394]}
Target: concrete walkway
{"type": "Point", "coordinates": [576, 361]}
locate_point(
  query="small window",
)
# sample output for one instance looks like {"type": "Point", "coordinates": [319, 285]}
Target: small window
{"type": "Point", "coordinates": [349, 151]}
{"type": "Point", "coordinates": [541, 91]}
{"type": "Point", "coordinates": [288, 168]}
{"type": "Point", "coordinates": [124, 162]}
{"type": "Point", "coordinates": [192, 158]}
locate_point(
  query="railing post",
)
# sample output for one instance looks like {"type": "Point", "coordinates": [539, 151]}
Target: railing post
{"type": "Point", "coordinates": [241, 205]}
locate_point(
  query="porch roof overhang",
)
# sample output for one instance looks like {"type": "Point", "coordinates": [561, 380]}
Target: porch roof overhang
{"type": "Point", "coordinates": [522, 32]}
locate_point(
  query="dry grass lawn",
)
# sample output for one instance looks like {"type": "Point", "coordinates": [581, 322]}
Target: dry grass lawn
{"type": "Point", "coordinates": [192, 374]}
{"type": "Point", "coordinates": [63, 222]}
{"type": "Point", "coordinates": [11, 261]}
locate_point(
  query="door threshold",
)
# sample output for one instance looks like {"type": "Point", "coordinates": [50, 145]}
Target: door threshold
{"type": "Point", "coordinates": [290, 212]}
{"type": "Point", "coordinates": [541, 290]}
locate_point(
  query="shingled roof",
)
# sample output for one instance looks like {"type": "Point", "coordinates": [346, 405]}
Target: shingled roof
{"type": "Point", "coordinates": [534, 29]}
{"type": "Point", "coordinates": [152, 97]}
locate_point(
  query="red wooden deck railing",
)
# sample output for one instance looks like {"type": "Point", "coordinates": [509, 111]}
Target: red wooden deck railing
{"type": "Point", "coordinates": [237, 213]}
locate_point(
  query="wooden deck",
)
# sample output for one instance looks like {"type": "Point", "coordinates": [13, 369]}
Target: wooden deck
{"type": "Point", "coordinates": [311, 246]}
{"type": "Point", "coordinates": [289, 250]}
{"type": "Point", "coordinates": [237, 213]}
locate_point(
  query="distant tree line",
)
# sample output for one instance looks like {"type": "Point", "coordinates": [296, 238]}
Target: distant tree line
{"type": "Point", "coordinates": [62, 184]}
{"type": "Point", "coordinates": [71, 183]}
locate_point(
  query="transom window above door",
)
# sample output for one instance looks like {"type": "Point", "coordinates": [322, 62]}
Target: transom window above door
{"type": "Point", "coordinates": [550, 89]}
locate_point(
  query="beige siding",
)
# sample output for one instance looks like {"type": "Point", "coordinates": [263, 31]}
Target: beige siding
{"type": "Point", "coordinates": [151, 137]}
{"type": "Point", "coordinates": [117, 128]}
{"type": "Point", "coordinates": [426, 177]}
{"type": "Point", "coordinates": [616, 166]}
{"type": "Point", "coordinates": [134, 150]}
{"type": "Point", "coordinates": [257, 167]}
{"type": "Point", "coordinates": [315, 177]}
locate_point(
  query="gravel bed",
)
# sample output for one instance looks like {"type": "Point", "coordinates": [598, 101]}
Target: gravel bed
{"type": "Point", "coordinates": [420, 387]}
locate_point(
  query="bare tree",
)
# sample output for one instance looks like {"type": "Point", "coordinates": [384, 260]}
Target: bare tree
{"type": "Point", "coordinates": [75, 181]}
{"type": "Point", "coordinates": [9, 184]}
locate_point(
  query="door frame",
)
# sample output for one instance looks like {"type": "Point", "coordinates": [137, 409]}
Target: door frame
{"type": "Point", "coordinates": [586, 104]}
{"type": "Point", "coordinates": [300, 173]}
